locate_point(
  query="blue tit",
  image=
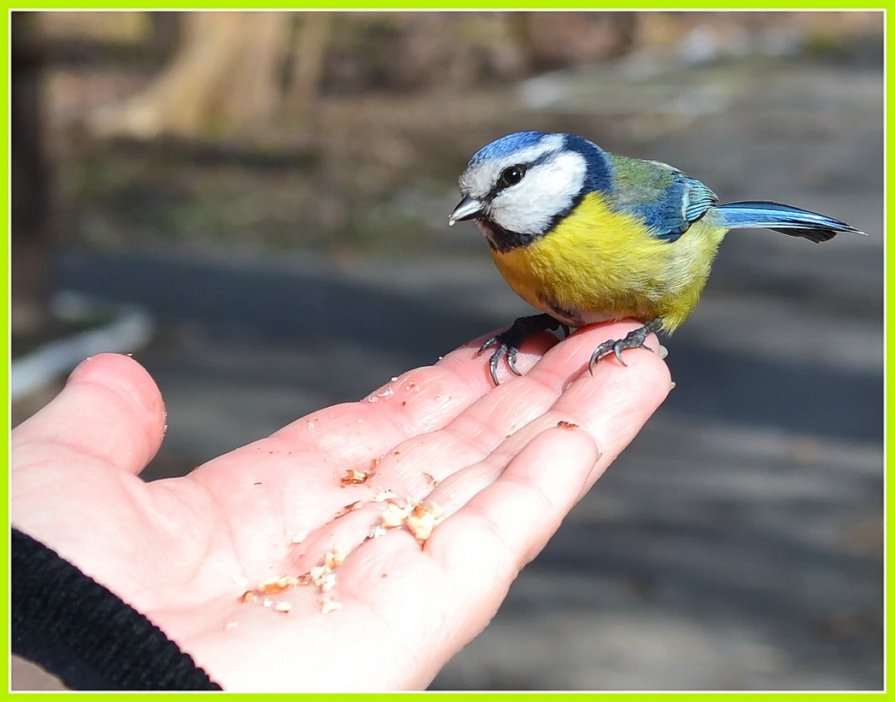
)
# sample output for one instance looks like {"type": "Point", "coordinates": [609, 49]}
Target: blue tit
{"type": "Point", "coordinates": [586, 236]}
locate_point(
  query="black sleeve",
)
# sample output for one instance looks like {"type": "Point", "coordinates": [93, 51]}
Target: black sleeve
{"type": "Point", "coordinates": [84, 634]}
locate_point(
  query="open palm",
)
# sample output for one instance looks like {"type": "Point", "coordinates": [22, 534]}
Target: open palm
{"type": "Point", "coordinates": [360, 547]}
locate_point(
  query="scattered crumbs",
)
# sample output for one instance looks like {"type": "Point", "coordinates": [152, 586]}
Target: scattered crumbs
{"type": "Point", "coordinates": [299, 537]}
{"type": "Point", "coordinates": [324, 578]}
{"type": "Point", "coordinates": [663, 352]}
{"type": "Point", "coordinates": [430, 478]}
{"type": "Point", "coordinates": [508, 436]}
{"type": "Point", "coordinates": [258, 483]}
{"type": "Point", "coordinates": [419, 519]}
{"type": "Point", "coordinates": [412, 387]}
{"type": "Point", "coordinates": [394, 515]}
{"type": "Point", "coordinates": [396, 453]}
{"type": "Point", "coordinates": [353, 476]}
{"type": "Point", "coordinates": [403, 403]}
{"type": "Point", "coordinates": [334, 558]}
{"type": "Point", "coordinates": [376, 532]}
{"type": "Point", "coordinates": [563, 424]}
{"type": "Point", "coordinates": [384, 495]}
{"type": "Point", "coordinates": [231, 625]}
{"type": "Point", "coordinates": [277, 584]}
{"type": "Point", "coordinates": [673, 385]}
{"type": "Point", "coordinates": [311, 424]}
{"type": "Point", "coordinates": [240, 582]}
{"type": "Point", "coordinates": [394, 378]}
{"type": "Point", "coordinates": [328, 605]}
{"type": "Point", "coordinates": [383, 575]}
{"type": "Point", "coordinates": [423, 519]}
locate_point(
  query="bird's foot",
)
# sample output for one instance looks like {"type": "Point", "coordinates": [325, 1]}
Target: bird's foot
{"type": "Point", "coordinates": [507, 344]}
{"type": "Point", "coordinates": [634, 340]}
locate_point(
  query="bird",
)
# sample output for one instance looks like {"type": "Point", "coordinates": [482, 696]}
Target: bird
{"type": "Point", "coordinates": [586, 236]}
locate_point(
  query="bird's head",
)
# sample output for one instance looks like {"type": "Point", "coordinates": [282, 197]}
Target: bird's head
{"type": "Point", "coordinates": [523, 183]}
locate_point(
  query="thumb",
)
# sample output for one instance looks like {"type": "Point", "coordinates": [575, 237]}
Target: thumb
{"type": "Point", "coordinates": [110, 409]}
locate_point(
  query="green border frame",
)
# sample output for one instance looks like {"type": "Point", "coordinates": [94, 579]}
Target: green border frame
{"type": "Point", "coordinates": [469, 5]}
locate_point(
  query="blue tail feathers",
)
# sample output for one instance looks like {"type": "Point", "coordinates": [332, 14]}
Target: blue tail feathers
{"type": "Point", "coordinates": [781, 218]}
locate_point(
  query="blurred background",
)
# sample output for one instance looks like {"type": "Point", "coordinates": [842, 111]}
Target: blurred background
{"type": "Point", "coordinates": [256, 205]}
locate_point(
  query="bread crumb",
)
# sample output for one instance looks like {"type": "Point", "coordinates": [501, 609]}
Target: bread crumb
{"type": "Point", "coordinates": [394, 515]}
{"type": "Point", "coordinates": [423, 519]}
{"type": "Point", "coordinates": [376, 532]}
{"type": "Point", "coordinates": [353, 476]}
{"type": "Point", "coordinates": [333, 559]}
{"type": "Point", "coordinates": [277, 584]}
{"type": "Point", "coordinates": [328, 605]}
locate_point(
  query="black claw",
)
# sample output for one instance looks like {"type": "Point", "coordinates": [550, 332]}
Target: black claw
{"type": "Point", "coordinates": [507, 343]}
{"type": "Point", "coordinates": [634, 340]}
{"type": "Point", "coordinates": [492, 364]}
{"type": "Point", "coordinates": [488, 344]}
{"type": "Point", "coordinates": [617, 349]}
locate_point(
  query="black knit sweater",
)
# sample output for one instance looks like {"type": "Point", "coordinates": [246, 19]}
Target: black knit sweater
{"type": "Point", "coordinates": [84, 634]}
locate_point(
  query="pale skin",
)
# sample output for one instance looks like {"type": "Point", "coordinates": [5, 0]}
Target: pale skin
{"type": "Point", "coordinates": [504, 464]}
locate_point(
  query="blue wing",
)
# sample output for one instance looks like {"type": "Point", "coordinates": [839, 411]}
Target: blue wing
{"type": "Point", "coordinates": [662, 197]}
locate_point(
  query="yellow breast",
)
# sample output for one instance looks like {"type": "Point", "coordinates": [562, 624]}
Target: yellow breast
{"type": "Point", "coordinates": [603, 264]}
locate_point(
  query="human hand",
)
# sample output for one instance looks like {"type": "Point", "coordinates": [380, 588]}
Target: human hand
{"type": "Point", "coordinates": [502, 466]}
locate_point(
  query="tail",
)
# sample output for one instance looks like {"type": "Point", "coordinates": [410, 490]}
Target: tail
{"type": "Point", "coordinates": [781, 218]}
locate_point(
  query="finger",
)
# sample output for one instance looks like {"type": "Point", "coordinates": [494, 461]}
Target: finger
{"type": "Point", "coordinates": [521, 407]}
{"type": "Point", "coordinates": [110, 409]}
{"type": "Point", "coordinates": [504, 526]}
{"type": "Point", "coordinates": [615, 403]}
{"type": "Point", "coordinates": [609, 409]}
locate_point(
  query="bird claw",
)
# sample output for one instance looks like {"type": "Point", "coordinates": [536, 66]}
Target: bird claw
{"type": "Point", "coordinates": [635, 339]}
{"type": "Point", "coordinates": [507, 343]}
{"type": "Point", "coordinates": [505, 349]}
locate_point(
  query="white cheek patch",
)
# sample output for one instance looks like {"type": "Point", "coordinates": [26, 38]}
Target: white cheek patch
{"type": "Point", "coordinates": [545, 191]}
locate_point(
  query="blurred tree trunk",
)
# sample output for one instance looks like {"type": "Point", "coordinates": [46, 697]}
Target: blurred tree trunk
{"type": "Point", "coordinates": [31, 228]}
{"type": "Point", "coordinates": [553, 39]}
{"type": "Point", "coordinates": [225, 77]}
{"type": "Point", "coordinates": [306, 72]}
{"type": "Point", "coordinates": [165, 35]}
